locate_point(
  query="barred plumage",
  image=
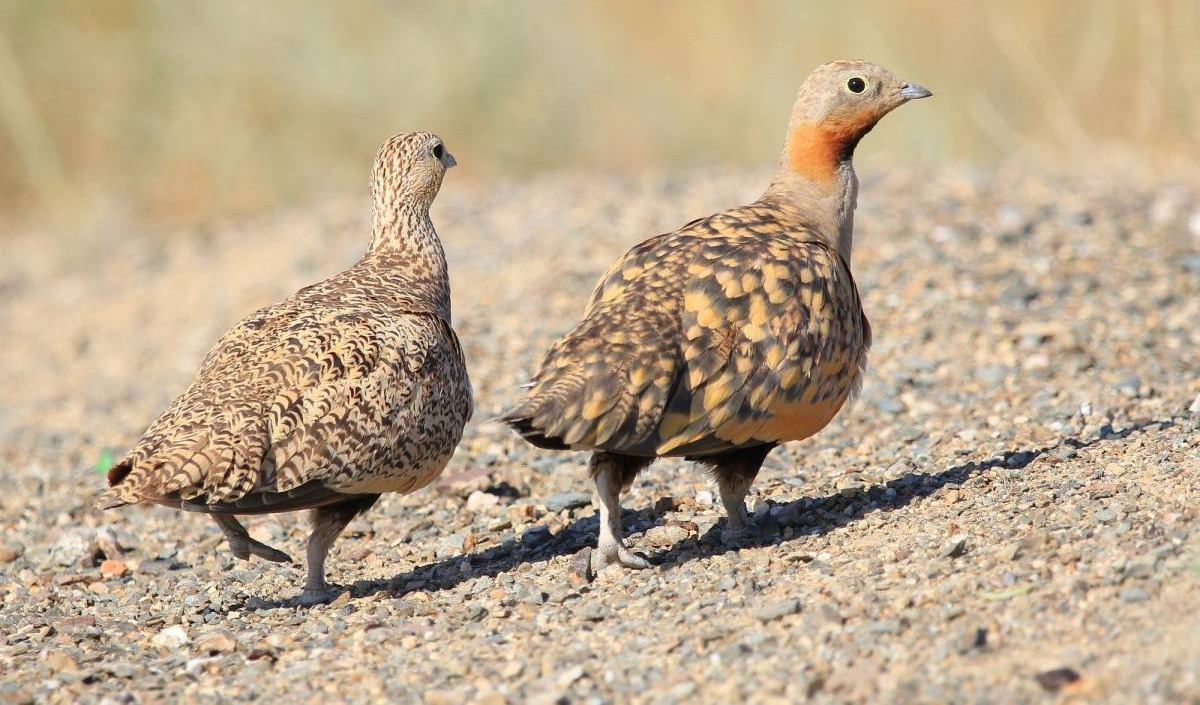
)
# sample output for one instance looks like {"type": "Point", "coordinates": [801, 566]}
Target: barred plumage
{"type": "Point", "coordinates": [350, 388]}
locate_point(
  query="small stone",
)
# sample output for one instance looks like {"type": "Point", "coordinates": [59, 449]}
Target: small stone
{"type": "Point", "coordinates": [565, 678]}
{"type": "Point", "coordinates": [121, 669]}
{"type": "Point", "coordinates": [75, 626]}
{"type": "Point", "coordinates": [59, 661]}
{"type": "Point", "coordinates": [971, 638]}
{"type": "Point", "coordinates": [956, 547]}
{"type": "Point", "coordinates": [1054, 680]}
{"type": "Point", "coordinates": [827, 615]}
{"type": "Point", "coordinates": [1129, 386]}
{"type": "Point", "coordinates": [1195, 407]}
{"type": "Point", "coordinates": [215, 642]}
{"type": "Point", "coordinates": [107, 545]}
{"type": "Point", "coordinates": [112, 568]}
{"type": "Point", "coordinates": [464, 482]}
{"type": "Point", "coordinates": [705, 498]}
{"type": "Point", "coordinates": [170, 638]}
{"type": "Point", "coordinates": [889, 405]}
{"type": "Point", "coordinates": [666, 504]}
{"type": "Point", "coordinates": [1134, 594]}
{"type": "Point", "coordinates": [520, 513]}
{"type": "Point", "coordinates": [10, 552]}
{"type": "Point", "coordinates": [73, 549]}
{"type": "Point", "coordinates": [778, 610]}
{"type": "Point", "coordinates": [579, 570]}
{"type": "Point", "coordinates": [682, 691]}
{"type": "Point", "coordinates": [665, 536]}
{"type": "Point", "coordinates": [592, 612]}
{"type": "Point", "coordinates": [154, 567]}
{"type": "Point", "coordinates": [481, 501]}
{"type": "Point", "coordinates": [850, 486]}
{"type": "Point", "coordinates": [567, 500]}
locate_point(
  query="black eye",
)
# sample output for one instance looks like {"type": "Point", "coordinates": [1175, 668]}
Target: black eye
{"type": "Point", "coordinates": [856, 85]}
{"type": "Point", "coordinates": [438, 151]}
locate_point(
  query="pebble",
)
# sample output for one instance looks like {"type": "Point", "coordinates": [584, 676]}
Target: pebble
{"type": "Point", "coordinates": [778, 610]}
{"type": "Point", "coordinates": [110, 568]}
{"type": "Point", "coordinates": [956, 547]}
{"type": "Point", "coordinates": [170, 638]}
{"type": "Point", "coordinates": [1054, 679]}
{"type": "Point", "coordinates": [10, 551]}
{"type": "Point", "coordinates": [1134, 594]}
{"type": "Point", "coordinates": [567, 500]}
{"type": "Point", "coordinates": [479, 501]}
{"type": "Point", "coordinates": [217, 641]}
{"type": "Point", "coordinates": [666, 536]}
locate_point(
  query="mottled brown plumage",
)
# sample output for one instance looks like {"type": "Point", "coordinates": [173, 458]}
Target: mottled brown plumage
{"type": "Point", "coordinates": [730, 335]}
{"type": "Point", "coordinates": [349, 388]}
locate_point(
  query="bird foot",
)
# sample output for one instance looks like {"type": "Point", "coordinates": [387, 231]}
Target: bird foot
{"type": "Point", "coordinates": [615, 554]}
{"type": "Point", "coordinates": [242, 546]}
{"type": "Point", "coordinates": [739, 531]}
{"type": "Point", "coordinates": [317, 596]}
{"type": "Point", "coordinates": [250, 547]}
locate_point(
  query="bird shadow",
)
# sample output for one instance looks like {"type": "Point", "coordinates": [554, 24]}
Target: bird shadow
{"type": "Point", "coordinates": [806, 516]}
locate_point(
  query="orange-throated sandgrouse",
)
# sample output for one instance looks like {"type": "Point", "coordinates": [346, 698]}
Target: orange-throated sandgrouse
{"type": "Point", "coordinates": [349, 388]}
{"type": "Point", "coordinates": [730, 335]}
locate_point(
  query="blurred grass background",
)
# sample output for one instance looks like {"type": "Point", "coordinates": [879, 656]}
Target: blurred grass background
{"type": "Point", "coordinates": [119, 115]}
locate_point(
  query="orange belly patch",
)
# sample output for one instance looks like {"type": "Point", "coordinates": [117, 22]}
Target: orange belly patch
{"type": "Point", "coordinates": [788, 421]}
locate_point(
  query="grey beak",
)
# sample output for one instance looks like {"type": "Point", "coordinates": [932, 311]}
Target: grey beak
{"type": "Point", "coordinates": [912, 91]}
{"type": "Point", "coordinates": [451, 161]}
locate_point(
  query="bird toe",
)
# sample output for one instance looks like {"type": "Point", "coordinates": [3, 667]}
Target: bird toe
{"type": "Point", "coordinates": [617, 554]}
{"type": "Point", "coordinates": [317, 596]}
{"type": "Point", "coordinates": [265, 552]}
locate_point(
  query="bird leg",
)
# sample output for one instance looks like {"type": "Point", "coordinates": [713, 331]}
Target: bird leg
{"type": "Point", "coordinates": [242, 545]}
{"type": "Point", "coordinates": [612, 474]}
{"type": "Point", "coordinates": [328, 523]}
{"type": "Point", "coordinates": [735, 472]}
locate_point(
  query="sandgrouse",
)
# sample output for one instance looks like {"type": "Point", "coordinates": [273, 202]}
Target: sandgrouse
{"type": "Point", "coordinates": [735, 333]}
{"type": "Point", "coordinates": [349, 388]}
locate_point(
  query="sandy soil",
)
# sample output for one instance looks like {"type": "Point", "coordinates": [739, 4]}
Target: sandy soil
{"type": "Point", "coordinates": [1014, 493]}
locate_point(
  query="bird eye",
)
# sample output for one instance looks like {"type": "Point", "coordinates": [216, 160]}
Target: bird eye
{"type": "Point", "coordinates": [856, 85]}
{"type": "Point", "coordinates": [438, 151]}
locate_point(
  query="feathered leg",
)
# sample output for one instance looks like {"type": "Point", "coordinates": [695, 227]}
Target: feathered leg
{"type": "Point", "coordinates": [613, 474]}
{"type": "Point", "coordinates": [242, 545]}
{"type": "Point", "coordinates": [328, 523]}
{"type": "Point", "coordinates": [735, 472]}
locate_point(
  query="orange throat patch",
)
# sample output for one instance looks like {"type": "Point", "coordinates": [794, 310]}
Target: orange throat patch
{"type": "Point", "coordinates": [814, 151]}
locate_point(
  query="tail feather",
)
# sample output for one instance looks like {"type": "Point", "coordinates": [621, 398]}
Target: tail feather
{"type": "Point", "coordinates": [119, 472]}
{"type": "Point", "coordinates": [521, 418]}
{"type": "Point", "coordinates": [115, 496]}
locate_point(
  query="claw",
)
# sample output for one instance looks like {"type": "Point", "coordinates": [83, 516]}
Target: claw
{"type": "Point", "coordinates": [311, 597]}
{"type": "Point", "coordinates": [268, 553]}
{"type": "Point", "coordinates": [615, 554]}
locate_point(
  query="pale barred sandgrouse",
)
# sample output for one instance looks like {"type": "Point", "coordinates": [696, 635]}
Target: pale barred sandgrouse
{"type": "Point", "coordinates": [349, 388]}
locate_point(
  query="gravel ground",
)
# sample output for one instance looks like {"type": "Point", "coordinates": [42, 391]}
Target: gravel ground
{"type": "Point", "coordinates": [1007, 514]}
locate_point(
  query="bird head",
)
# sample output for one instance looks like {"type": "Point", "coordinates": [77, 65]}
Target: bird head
{"type": "Point", "coordinates": [408, 172]}
{"type": "Point", "coordinates": [837, 104]}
